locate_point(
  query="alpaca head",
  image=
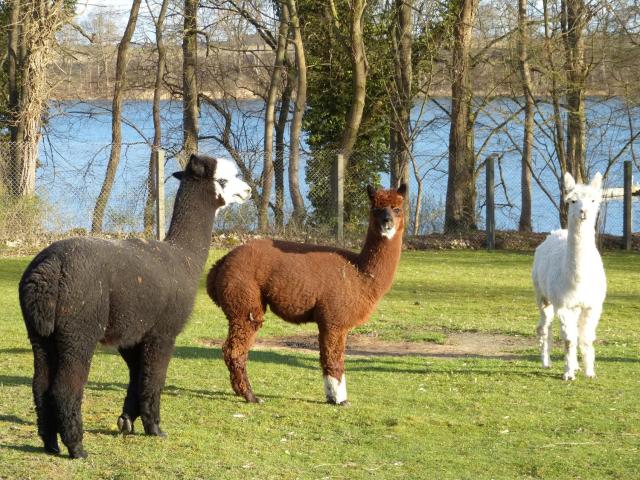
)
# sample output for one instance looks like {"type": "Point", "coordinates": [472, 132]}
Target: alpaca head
{"type": "Point", "coordinates": [387, 212]}
{"type": "Point", "coordinates": [220, 174]}
{"type": "Point", "coordinates": [583, 200]}
{"type": "Point", "coordinates": [228, 185]}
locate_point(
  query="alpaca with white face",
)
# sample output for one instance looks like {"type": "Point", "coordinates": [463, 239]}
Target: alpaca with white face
{"type": "Point", "coordinates": [569, 279]}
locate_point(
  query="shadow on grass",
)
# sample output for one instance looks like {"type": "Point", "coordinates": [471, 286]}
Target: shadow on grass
{"type": "Point", "coordinates": [25, 448]}
{"type": "Point", "coordinates": [13, 419]}
{"type": "Point", "coordinates": [14, 350]}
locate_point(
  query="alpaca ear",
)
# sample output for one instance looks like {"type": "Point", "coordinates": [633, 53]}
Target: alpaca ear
{"type": "Point", "coordinates": [597, 181]}
{"type": "Point", "coordinates": [178, 175]}
{"type": "Point", "coordinates": [196, 165]}
{"type": "Point", "coordinates": [569, 182]}
{"type": "Point", "coordinates": [402, 189]}
{"type": "Point", "coordinates": [371, 191]}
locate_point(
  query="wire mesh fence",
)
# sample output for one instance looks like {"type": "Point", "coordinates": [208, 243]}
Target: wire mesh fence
{"type": "Point", "coordinates": [67, 186]}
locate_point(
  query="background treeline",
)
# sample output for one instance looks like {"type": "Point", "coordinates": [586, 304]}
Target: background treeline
{"type": "Point", "coordinates": [346, 76]}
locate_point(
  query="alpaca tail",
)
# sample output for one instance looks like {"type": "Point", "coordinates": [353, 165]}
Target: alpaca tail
{"type": "Point", "coordinates": [38, 292]}
{"type": "Point", "coordinates": [212, 279]}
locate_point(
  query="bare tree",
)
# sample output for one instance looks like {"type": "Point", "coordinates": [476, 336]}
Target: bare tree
{"type": "Point", "coordinates": [116, 121]}
{"type": "Point", "coordinates": [574, 18]}
{"type": "Point", "coordinates": [359, 78]}
{"type": "Point", "coordinates": [276, 78]}
{"type": "Point", "coordinates": [461, 185]}
{"type": "Point", "coordinates": [189, 80]}
{"type": "Point", "coordinates": [278, 161]}
{"type": "Point", "coordinates": [400, 138]}
{"type": "Point", "coordinates": [157, 124]}
{"type": "Point", "coordinates": [32, 28]}
{"type": "Point", "coordinates": [524, 224]}
{"type": "Point", "coordinates": [298, 112]}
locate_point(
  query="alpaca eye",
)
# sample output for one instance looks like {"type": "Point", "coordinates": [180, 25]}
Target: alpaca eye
{"type": "Point", "coordinates": [398, 211]}
{"type": "Point", "coordinates": [222, 182]}
{"type": "Point", "coordinates": [573, 201]}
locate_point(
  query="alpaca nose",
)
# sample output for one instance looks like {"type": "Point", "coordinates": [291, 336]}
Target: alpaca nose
{"type": "Point", "coordinates": [583, 214]}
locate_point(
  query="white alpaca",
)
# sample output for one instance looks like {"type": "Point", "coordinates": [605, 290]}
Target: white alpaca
{"type": "Point", "coordinates": [569, 279]}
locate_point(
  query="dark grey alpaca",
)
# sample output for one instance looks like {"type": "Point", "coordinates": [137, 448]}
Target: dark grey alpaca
{"type": "Point", "coordinates": [133, 294]}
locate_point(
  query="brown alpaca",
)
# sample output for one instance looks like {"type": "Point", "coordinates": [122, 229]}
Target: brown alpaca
{"type": "Point", "coordinates": [335, 288]}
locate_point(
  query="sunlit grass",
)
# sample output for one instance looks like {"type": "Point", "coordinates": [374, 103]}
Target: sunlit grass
{"type": "Point", "coordinates": [410, 417]}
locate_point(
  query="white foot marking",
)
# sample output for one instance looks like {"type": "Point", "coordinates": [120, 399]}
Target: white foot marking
{"type": "Point", "coordinates": [334, 389]}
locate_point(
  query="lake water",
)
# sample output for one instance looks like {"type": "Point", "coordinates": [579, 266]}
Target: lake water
{"type": "Point", "coordinates": [76, 147]}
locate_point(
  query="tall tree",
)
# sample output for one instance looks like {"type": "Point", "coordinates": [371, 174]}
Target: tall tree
{"type": "Point", "coordinates": [358, 78]}
{"type": "Point", "coordinates": [269, 121]}
{"type": "Point", "coordinates": [574, 18]}
{"type": "Point", "coordinates": [461, 184]}
{"type": "Point", "coordinates": [524, 224]}
{"type": "Point", "coordinates": [157, 124]}
{"type": "Point", "coordinates": [116, 120]}
{"type": "Point", "coordinates": [400, 138]}
{"type": "Point", "coordinates": [298, 112]}
{"type": "Point", "coordinates": [32, 29]}
{"type": "Point", "coordinates": [190, 80]}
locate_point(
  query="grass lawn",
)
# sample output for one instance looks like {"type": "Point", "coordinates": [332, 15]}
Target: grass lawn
{"type": "Point", "coordinates": [411, 417]}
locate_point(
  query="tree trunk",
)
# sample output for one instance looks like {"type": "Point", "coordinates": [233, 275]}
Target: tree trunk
{"type": "Point", "coordinates": [401, 112]}
{"type": "Point", "coordinates": [14, 65]}
{"type": "Point", "coordinates": [461, 185]}
{"type": "Point", "coordinates": [524, 225]}
{"type": "Point", "coordinates": [296, 121]}
{"type": "Point", "coordinates": [278, 162]}
{"type": "Point", "coordinates": [276, 76]}
{"type": "Point", "coordinates": [38, 22]}
{"type": "Point", "coordinates": [157, 124]}
{"type": "Point", "coordinates": [574, 21]}
{"type": "Point", "coordinates": [359, 79]}
{"type": "Point", "coordinates": [116, 127]}
{"type": "Point", "coordinates": [558, 131]}
{"type": "Point", "coordinates": [189, 81]}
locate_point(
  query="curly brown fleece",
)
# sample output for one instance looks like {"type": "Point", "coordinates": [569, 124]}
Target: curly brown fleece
{"type": "Point", "coordinates": [335, 288]}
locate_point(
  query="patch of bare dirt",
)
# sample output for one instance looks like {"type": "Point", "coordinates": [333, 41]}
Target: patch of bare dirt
{"type": "Point", "coordinates": [466, 344]}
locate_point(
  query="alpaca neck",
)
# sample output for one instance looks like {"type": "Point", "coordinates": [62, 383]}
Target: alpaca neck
{"type": "Point", "coordinates": [581, 244]}
{"type": "Point", "coordinates": [379, 259]}
{"type": "Point", "coordinates": [192, 222]}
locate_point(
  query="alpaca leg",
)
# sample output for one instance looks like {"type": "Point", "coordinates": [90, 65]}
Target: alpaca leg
{"type": "Point", "coordinates": [67, 390]}
{"type": "Point", "coordinates": [131, 408]}
{"type": "Point", "coordinates": [240, 339]}
{"type": "Point", "coordinates": [332, 345]}
{"type": "Point", "coordinates": [156, 353]}
{"type": "Point", "coordinates": [544, 335]}
{"type": "Point", "coordinates": [586, 336]}
{"type": "Point", "coordinates": [569, 329]}
{"type": "Point", "coordinates": [45, 365]}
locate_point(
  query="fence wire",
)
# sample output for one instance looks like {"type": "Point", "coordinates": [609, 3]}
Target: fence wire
{"type": "Point", "coordinates": [68, 181]}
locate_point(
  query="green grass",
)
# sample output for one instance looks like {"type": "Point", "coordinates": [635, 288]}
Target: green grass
{"type": "Point", "coordinates": [411, 417]}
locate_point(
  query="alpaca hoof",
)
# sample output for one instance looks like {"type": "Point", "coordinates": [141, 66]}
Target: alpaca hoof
{"type": "Point", "coordinates": [125, 425]}
{"type": "Point", "coordinates": [568, 376]}
{"type": "Point", "coordinates": [590, 374]}
{"type": "Point", "coordinates": [155, 431]}
{"type": "Point", "coordinates": [344, 403]}
{"type": "Point", "coordinates": [77, 452]}
{"type": "Point", "coordinates": [251, 398]}
{"type": "Point", "coordinates": [52, 447]}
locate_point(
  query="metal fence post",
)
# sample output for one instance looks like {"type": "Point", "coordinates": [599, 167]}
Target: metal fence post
{"type": "Point", "coordinates": [340, 199]}
{"type": "Point", "coordinates": [626, 221]}
{"type": "Point", "coordinates": [159, 181]}
{"type": "Point", "coordinates": [490, 204]}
